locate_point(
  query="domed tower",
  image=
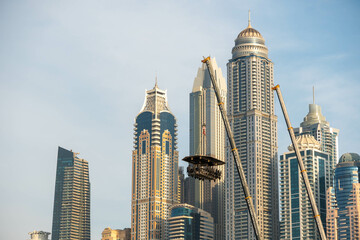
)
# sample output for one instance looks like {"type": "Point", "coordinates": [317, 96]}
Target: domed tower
{"type": "Point", "coordinates": [251, 112]}
{"type": "Point", "coordinates": [346, 208]}
{"type": "Point", "coordinates": [249, 41]}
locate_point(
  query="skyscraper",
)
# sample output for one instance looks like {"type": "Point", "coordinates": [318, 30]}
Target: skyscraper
{"type": "Point", "coordinates": [316, 124]}
{"type": "Point", "coordinates": [345, 209]}
{"type": "Point", "coordinates": [296, 216]}
{"type": "Point", "coordinates": [181, 186]}
{"type": "Point", "coordinates": [354, 212]}
{"type": "Point", "coordinates": [71, 217]}
{"type": "Point", "coordinates": [252, 118]}
{"type": "Point", "coordinates": [190, 223]}
{"type": "Point", "coordinates": [189, 191]}
{"type": "Point", "coordinates": [331, 215]}
{"type": "Point", "coordinates": [207, 137]}
{"type": "Point", "coordinates": [154, 167]}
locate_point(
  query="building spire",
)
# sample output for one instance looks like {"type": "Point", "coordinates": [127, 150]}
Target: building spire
{"type": "Point", "coordinates": [249, 25]}
{"type": "Point", "coordinates": [313, 94]}
{"type": "Point", "coordinates": [156, 82]}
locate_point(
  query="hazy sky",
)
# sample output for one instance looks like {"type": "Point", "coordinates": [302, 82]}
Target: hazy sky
{"type": "Point", "coordinates": [74, 74]}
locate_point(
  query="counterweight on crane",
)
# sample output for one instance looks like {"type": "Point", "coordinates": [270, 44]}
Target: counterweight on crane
{"type": "Point", "coordinates": [301, 166]}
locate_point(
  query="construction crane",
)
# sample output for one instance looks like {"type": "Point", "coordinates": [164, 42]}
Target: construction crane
{"type": "Point", "coordinates": [301, 166]}
{"type": "Point", "coordinates": [234, 150]}
{"type": "Point", "coordinates": [201, 166]}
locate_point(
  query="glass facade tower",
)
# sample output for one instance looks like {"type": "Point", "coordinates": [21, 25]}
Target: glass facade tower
{"type": "Point", "coordinates": [250, 106]}
{"type": "Point", "coordinates": [71, 216]}
{"type": "Point", "coordinates": [346, 189]}
{"type": "Point", "coordinates": [154, 167]}
{"type": "Point", "coordinates": [190, 223]}
{"type": "Point", "coordinates": [207, 137]}
{"type": "Point", "coordinates": [296, 216]}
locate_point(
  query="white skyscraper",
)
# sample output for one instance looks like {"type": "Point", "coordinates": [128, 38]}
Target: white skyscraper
{"type": "Point", "coordinates": [254, 124]}
{"type": "Point", "coordinates": [207, 137]}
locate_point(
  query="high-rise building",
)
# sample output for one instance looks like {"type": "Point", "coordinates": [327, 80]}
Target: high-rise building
{"type": "Point", "coordinates": [190, 223]}
{"type": "Point", "coordinates": [254, 124]}
{"type": "Point", "coordinates": [331, 215]}
{"type": "Point", "coordinates": [354, 212]}
{"type": "Point", "coordinates": [189, 191]}
{"type": "Point", "coordinates": [154, 167]}
{"type": "Point", "coordinates": [207, 137]}
{"type": "Point", "coordinates": [343, 213]}
{"type": "Point", "coordinates": [181, 185]}
{"type": "Point", "coordinates": [39, 235]}
{"type": "Point", "coordinates": [71, 217]}
{"type": "Point", "coordinates": [296, 215]}
{"type": "Point", "coordinates": [316, 124]}
{"type": "Point", "coordinates": [116, 234]}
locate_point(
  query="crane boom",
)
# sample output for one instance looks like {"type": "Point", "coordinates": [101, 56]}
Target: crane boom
{"type": "Point", "coordinates": [248, 198]}
{"type": "Point", "coordinates": [301, 166]}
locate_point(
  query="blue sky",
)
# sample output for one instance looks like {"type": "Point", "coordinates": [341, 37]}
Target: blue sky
{"type": "Point", "coordinates": [74, 74]}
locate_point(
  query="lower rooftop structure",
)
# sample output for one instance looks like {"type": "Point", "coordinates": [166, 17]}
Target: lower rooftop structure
{"type": "Point", "coordinates": [39, 235]}
{"type": "Point", "coordinates": [190, 223]}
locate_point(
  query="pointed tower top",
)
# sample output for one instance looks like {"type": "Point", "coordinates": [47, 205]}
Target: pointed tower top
{"type": "Point", "coordinates": [156, 82]}
{"type": "Point", "coordinates": [313, 94]}
{"type": "Point", "coordinates": [249, 25]}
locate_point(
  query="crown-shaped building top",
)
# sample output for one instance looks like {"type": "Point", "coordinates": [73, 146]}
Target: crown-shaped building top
{"type": "Point", "coordinates": [155, 100]}
{"type": "Point", "coordinates": [306, 141]}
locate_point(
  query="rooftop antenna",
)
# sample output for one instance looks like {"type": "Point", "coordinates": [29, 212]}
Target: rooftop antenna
{"type": "Point", "coordinates": [313, 94]}
{"type": "Point", "coordinates": [156, 81]}
{"type": "Point", "coordinates": [249, 26]}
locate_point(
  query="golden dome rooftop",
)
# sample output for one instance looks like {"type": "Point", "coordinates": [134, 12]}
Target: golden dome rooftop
{"type": "Point", "coordinates": [249, 32]}
{"type": "Point", "coordinates": [248, 42]}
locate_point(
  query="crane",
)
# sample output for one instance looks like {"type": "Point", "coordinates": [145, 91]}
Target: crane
{"type": "Point", "coordinates": [234, 150]}
{"type": "Point", "coordinates": [240, 170]}
{"type": "Point", "coordinates": [301, 165]}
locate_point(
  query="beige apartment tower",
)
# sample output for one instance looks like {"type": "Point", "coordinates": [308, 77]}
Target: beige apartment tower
{"type": "Point", "coordinates": [154, 167]}
{"type": "Point", "coordinates": [250, 106]}
{"type": "Point", "coordinates": [207, 137]}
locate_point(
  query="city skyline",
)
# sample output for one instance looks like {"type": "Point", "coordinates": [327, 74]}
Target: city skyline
{"type": "Point", "coordinates": [62, 60]}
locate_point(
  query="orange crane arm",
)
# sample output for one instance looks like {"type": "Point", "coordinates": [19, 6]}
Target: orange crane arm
{"type": "Point", "coordinates": [248, 198]}
{"type": "Point", "coordinates": [304, 175]}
